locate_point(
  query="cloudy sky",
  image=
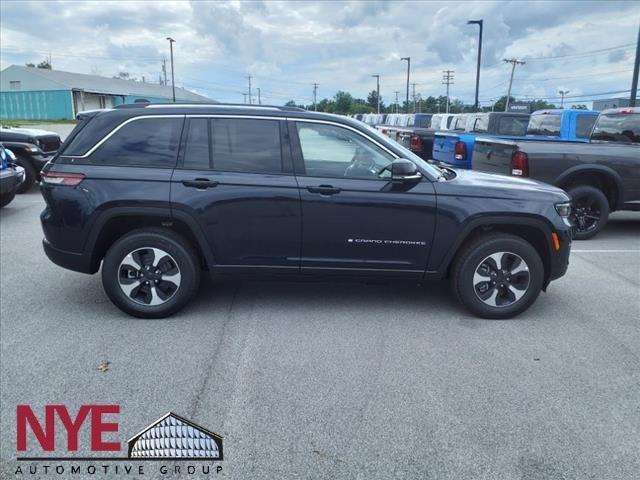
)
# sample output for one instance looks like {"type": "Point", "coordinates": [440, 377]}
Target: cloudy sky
{"type": "Point", "coordinates": [584, 47]}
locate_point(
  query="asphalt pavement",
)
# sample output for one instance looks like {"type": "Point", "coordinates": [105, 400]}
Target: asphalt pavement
{"type": "Point", "coordinates": [339, 380]}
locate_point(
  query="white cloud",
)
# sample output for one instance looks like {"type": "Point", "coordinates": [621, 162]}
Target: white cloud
{"type": "Point", "coordinates": [287, 46]}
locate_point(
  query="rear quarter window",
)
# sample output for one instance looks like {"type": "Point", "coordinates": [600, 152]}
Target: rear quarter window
{"type": "Point", "coordinates": [584, 125]}
{"type": "Point", "coordinates": [143, 142]}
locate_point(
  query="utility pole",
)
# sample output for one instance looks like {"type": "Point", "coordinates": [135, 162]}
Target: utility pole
{"type": "Point", "coordinates": [479, 23]}
{"type": "Point", "coordinates": [164, 69]}
{"type": "Point", "coordinates": [249, 78]}
{"type": "Point", "coordinates": [377, 90]}
{"type": "Point", "coordinates": [259, 99]}
{"type": "Point", "coordinates": [447, 79]}
{"type": "Point", "coordinates": [408, 59]}
{"type": "Point", "coordinates": [636, 68]}
{"type": "Point", "coordinates": [315, 94]}
{"type": "Point", "coordinates": [397, 92]}
{"type": "Point", "coordinates": [414, 96]}
{"type": "Point", "coordinates": [562, 94]}
{"type": "Point", "coordinates": [513, 62]}
{"type": "Point", "coordinates": [173, 82]}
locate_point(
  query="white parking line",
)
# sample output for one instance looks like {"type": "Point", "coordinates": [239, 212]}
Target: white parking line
{"type": "Point", "coordinates": [605, 251]}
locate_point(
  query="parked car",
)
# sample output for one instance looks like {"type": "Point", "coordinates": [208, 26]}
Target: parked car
{"type": "Point", "coordinates": [11, 176]}
{"type": "Point", "coordinates": [33, 149]}
{"type": "Point", "coordinates": [600, 176]}
{"type": "Point", "coordinates": [455, 147]}
{"type": "Point", "coordinates": [396, 122]}
{"type": "Point", "coordinates": [571, 125]}
{"type": "Point", "coordinates": [157, 193]}
{"type": "Point", "coordinates": [420, 140]}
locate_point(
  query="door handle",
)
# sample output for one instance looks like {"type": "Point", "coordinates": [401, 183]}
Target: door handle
{"type": "Point", "coordinates": [200, 183]}
{"type": "Point", "coordinates": [324, 190]}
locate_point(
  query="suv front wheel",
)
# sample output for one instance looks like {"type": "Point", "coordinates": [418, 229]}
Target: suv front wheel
{"type": "Point", "coordinates": [150, 273]}
{"type": "Point", "coordinates": [497, 275]}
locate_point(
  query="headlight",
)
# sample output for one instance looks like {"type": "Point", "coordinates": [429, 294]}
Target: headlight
{"type": "Point", "coordinates": [563, 209]}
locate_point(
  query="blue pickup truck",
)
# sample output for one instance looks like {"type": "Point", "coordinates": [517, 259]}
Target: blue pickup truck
{"type": "Point", "coordinates": [455, 147]}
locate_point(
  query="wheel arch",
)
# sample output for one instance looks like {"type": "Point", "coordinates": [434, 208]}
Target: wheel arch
{"type": "Point", "coordinates": [115, 223]}
{"type": "Point", "coordinates": [602, 177]}
{"type": "Point", "coordinates": [534, 230]}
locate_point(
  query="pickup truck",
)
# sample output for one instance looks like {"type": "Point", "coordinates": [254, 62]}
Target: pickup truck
{"type": "Point", "coordinates": [571, 125]}
{"type": "Point", "coordinates": [455, 147]}
{"type": "Point", "coordinates": [420, 139]}
{"type": "Point", "coordinates": [33, 148]}
{"type": "Point", "coordinates": [395, 122]}
{"type": "Point", "coordinates": [601, 176]}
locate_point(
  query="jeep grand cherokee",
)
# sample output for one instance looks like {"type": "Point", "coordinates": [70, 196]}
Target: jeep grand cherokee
{"type": "Point", "coordinates": [157, 193]}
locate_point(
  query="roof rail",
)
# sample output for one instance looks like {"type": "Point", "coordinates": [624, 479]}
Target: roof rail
{"type": "Point", "coordinates": [211, 105]}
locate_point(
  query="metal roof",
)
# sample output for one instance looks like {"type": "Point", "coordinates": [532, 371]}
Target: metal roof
{"type": "Point", "coordinates": [104, 85]}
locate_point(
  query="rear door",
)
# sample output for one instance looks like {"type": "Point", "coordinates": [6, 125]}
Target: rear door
{"type": "Point", "coordinates": [234, 176]}
{"type": "Point", "coordinates": [354, 219]}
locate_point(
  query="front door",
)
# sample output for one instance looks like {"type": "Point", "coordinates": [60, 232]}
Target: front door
{"type": "Point", "coordinates": [235, 177]}
{"type": "Point", "coordinates": [354, 219]}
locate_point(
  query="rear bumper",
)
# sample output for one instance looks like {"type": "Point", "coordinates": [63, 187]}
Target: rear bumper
{"type": "Point", "coordinates": [78, 262]}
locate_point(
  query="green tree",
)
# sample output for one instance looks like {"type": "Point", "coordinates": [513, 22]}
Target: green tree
{"type": "Point", "coordinates": [372, 100]}
{"type": "Point", "coordinates": [541, 105]}
{"type": "Point", "coordinates": [43, 64]}
{"type": "Point", "coordinates": [290, 103]}
{"type": "Point", "coordinates": [343, 102]}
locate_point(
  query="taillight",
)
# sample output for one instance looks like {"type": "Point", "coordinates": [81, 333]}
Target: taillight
{"type": "Point", "coordinates": [384, 130]}
{"type": "Point", "coordinates": [416, 144]}
{"type": "Point", "coordinates": [397, 136]}
{"type": "Point", "coordinates": [460, 151]}
{"type": "Point", "coordinates": [519, 164]}
{"type": "Point", "coordinates": [58, 178]}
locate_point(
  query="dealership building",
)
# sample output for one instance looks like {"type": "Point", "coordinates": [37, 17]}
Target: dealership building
{"type": "Point", "coordinates": [30, 93]}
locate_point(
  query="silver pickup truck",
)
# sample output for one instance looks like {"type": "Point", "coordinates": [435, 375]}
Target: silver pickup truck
{"type": "Point", "coordinates": [601, 176]}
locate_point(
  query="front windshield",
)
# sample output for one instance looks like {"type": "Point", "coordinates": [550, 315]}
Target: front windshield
{"type": "Point", "coordinates": [405, 152]}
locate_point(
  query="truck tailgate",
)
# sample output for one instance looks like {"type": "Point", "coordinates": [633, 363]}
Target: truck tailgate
{"type": "Point", "coordinates": [493, 155]}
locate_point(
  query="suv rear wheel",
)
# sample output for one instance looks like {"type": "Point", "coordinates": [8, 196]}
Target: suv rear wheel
{"type": "Point", "coordinates": [589, 212]}
{"type": "Point", "coordinates": [150, 273]}
{"type": "Point", "coordinates": [497, 276]}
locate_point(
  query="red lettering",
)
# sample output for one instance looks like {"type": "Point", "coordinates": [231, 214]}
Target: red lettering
{"type": "Point", "coordinates": [45, 437]}
{"type": "Point", "coordinates": [98, 427]}
{"type": "Point", "coordinates": [72, 427]}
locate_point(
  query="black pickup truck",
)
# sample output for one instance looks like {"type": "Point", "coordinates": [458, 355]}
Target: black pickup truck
{"type": "Point", "coordinates": [33, 148]}
{"type": "Point", "coordinates": [601, 176]}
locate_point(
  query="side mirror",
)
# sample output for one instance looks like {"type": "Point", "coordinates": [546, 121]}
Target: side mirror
{"type": "Point", "coordinates": [403, 170]}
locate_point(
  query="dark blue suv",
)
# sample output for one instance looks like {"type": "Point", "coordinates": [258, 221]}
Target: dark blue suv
{"type": "Point", "coordinates": [157, 193]}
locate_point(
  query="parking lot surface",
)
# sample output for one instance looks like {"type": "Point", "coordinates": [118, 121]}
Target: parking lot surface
{"type": "Point", "coordinates": [341, 380]}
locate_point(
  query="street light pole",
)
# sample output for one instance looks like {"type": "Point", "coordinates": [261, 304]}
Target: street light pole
{"type": "Point", "coordinates": [479, 23]}
{"type": "Point", "coordinates": [173, 82]}
{"type": "Point", "coordinates": [408, 59]}
{"type": "Point", "coordinates": [636, 71]}
{"type": "Point", "coordinates": [377, 90]}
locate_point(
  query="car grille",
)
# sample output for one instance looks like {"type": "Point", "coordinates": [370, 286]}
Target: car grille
{"type": "Point", "coordinates": [49, 144]}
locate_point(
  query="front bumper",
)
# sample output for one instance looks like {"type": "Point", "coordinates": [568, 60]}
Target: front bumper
{"type": "Point", "coordinates": [559, 260]}
{"type": "Point", "coordinates": [11, 178]}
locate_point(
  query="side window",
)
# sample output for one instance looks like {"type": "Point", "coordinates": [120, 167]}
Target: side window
{"type": "Point", "coordinates": [584, 124]}
{"type": "Point", "coordinates": [196, 152]}
{"type": "Point", "coordinates": [332, 151]}
{"type": "Point", "coordinates": [147, 142]}
{"type": "Point", "coordinates": [246, 145]}
{"type": "Point", "coordinates": [481, 124]}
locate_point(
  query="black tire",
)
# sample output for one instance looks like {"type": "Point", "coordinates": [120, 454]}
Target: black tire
{"type": "Point", "coordinates": [30, 175]}
{"type": "Point", "coordinates": [589, 211]}
{"type": "Point", "coordinates": [472, 258]}
{"type": "Point", "coordinates": [6, 198]}
{"type": "Point", "coordinates": [178, 253]}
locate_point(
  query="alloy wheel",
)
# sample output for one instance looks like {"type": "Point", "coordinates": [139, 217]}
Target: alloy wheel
{"type": "Point", "coordinates": [501, 279]}
{"type": "Point", "coordinates": [585, 214]}
{"type": "Point", "coordinates": [149, 276]}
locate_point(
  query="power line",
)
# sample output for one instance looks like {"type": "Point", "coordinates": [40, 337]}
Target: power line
{"type": "Point", "coordinates": [581, 54]}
